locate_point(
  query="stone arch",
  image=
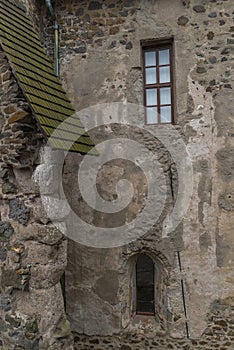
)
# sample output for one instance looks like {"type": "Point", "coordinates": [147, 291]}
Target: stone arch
{"type": "Point", "coordinates": [162, 271]}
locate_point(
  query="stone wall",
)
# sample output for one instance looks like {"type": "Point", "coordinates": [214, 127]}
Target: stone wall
{"type": "Point", "coordinates": [219, 334]}
{"type": "Point", "coordinates": [101, 62]}
{"type": "Point", "coordinates": [32, 251]}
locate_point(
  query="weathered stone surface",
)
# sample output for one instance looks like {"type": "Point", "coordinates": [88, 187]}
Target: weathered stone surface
{"type": "Point", "coordinates": [45, 277]}
{"type": "Point", "coordinates": [5, 304]}
{"type": "Point", "coordinates": [198, 112]}
{"type": "Point", "coordinates": [81, 49]}
{"type": "Point", "coordinates": [20, 142]}
{"type": "Point", "coordinates": [230, 41]}
{"type": "Point", "coordinates": [97, 67]}
{"type": "Point", "coordinates": [213, 59]}
{"type": "Point", "coordinates": [129, 45]}
{"type": "Point", "coordinates": [44, 234]}
{"type": "Point", "coordinates": [56, 209]}
{"type": "Point", "coordinates": [205, 241]}
{"type": "Point", "coordinates": [199, 8]}
{"type": "Point", "coordinates": [226, 201]}
{"type": "Point", "coordinates": [13, 321]}
{"type": "Point", "coordinates": [18, 211]}
{"type": "Point", "coordinates": [224, 125]}
{"type": "Point", "coordinates": [114, 30]}
{"type": "Point", "coordinates": [19, 115]}
{"type": "Point", "coordinates": [182, 21]}
{"type": "Point", "coordinates": [90, 324]}
{"type": "Point", "coordinates": [4, 174]}
{"type": "Point", "coordinates": [23, 179]}
{"type": "Point", "coordinates": [47, 177]}
{"type": "Point", "coordinates": [212, 15]}
{"type": "Point", "coordinates": [95, 5]}
{"type": "Point", "coordinates": [31, 326]}
{"type": "Point", "coordinates": [39, 213]}
{"type": "Point", "coordinates": [39, 253]}
{"type": "Point", "coordinates": [48, 315]}
{"type": "Point", "coordinates": [225, 158]}
{"type": "Point", "coordinates": [10, 278]}
{"type": "Point", "coordinates": [210, 35]}
{"type": "Point", "coordinates": [218, 329]}
{"type": "Point", "coordinates": [6, 231]}
{"type": "Point", "coordinates": [125, 347]}
{"type": "Point", "coordinates": [51, 156]}
{"type": "Point", "coordinates": [63, 329]}
{"type": "Point", "coordinates": [79, 12]}
{"type": "Point", "coordinates": [3, 253]}
{"type": "Point", "coordinates": [8, 187]}
{"type": "Point", "coordinates": [201, 70]}
{"type": "Point", "coordinates": [107, 287]}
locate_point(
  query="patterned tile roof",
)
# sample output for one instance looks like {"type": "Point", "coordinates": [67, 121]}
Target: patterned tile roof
{"type": "Point", "coordinates": [36, 77]}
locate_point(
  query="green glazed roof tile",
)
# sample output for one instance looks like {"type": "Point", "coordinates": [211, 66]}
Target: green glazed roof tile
{"type": "Point", "coordinates": [19, 22]}
{"type": "Point", "coordinates": [38, 81]}
{"type": "Point", "coordinates": [19, 14]}
{"type": "Point", "coordinates": [31, 60]}
{"type": "Point", "coordinates": [45, 96]}
{"type": "Point", "coordinates": [25, 44]}
{"type": "Point", "coordinates": [64, 135]}
{"type": "Point", "coordinates": [49, 113]}
{"type": "Point", "coordinates": [50, 105]}
{"type": "Point", "coordinates": [76, 147]}
{"type": "Point", "coordinates": [66, 125]}
{"type": "Point", "coordinates": [16, 29]}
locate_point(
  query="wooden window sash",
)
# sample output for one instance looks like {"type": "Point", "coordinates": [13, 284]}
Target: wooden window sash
{"type": "Point", "coordinates": [159, 85]}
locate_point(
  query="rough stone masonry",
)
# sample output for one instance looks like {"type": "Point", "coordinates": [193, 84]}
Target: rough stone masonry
{"type": "Point", "coordinates": [101, 61]}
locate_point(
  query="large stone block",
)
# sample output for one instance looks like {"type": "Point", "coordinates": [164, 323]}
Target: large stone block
{"type": "Point", "coordinates": [47, 177]}
{"type": "Point", "coordinates": [37, 253]}
{"type": "Point", "coordinates": [89, 315]}
{"type": "Point", "coordinates": [56, 209]}
{"type": "Point", "coordinates": [10, 278]}
{"type": "Point", "coordinates": [107, 286]}
{"type": "Point", "coordinates": [51, 156]}
{"type": "Point", "coordinates": [46, 276]}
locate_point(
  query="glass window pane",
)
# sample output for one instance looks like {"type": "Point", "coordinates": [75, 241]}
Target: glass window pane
{"type": "Point", "coordinates": [144, 279]}
{"type": "Point", "coordinates": [150, 58]}
{"type": "Point", "coordinates": [164, 57]}
{"type": "Point", "coordinates": [152, 115]}
{"type": "Point", "coordinates": [150, 74]}
{"type": "Point", "coordinates": [145, 284]}
{"type": "Point", "coordinates": [151, 97]}
{"type": "Point", "coordinates": [164, 73]}
{"type": "Point", "coordinates": [165, 114]}
{"type": "Point", "coordinates": [145, 307]}
{"type": "Point", "coordinates": [165, 96]}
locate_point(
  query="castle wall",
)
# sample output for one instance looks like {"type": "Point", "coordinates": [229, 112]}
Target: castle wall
{"type": "Point", "coordinates": [32, 251]}
{"type": "Point", "coordinates": [101, 62]}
